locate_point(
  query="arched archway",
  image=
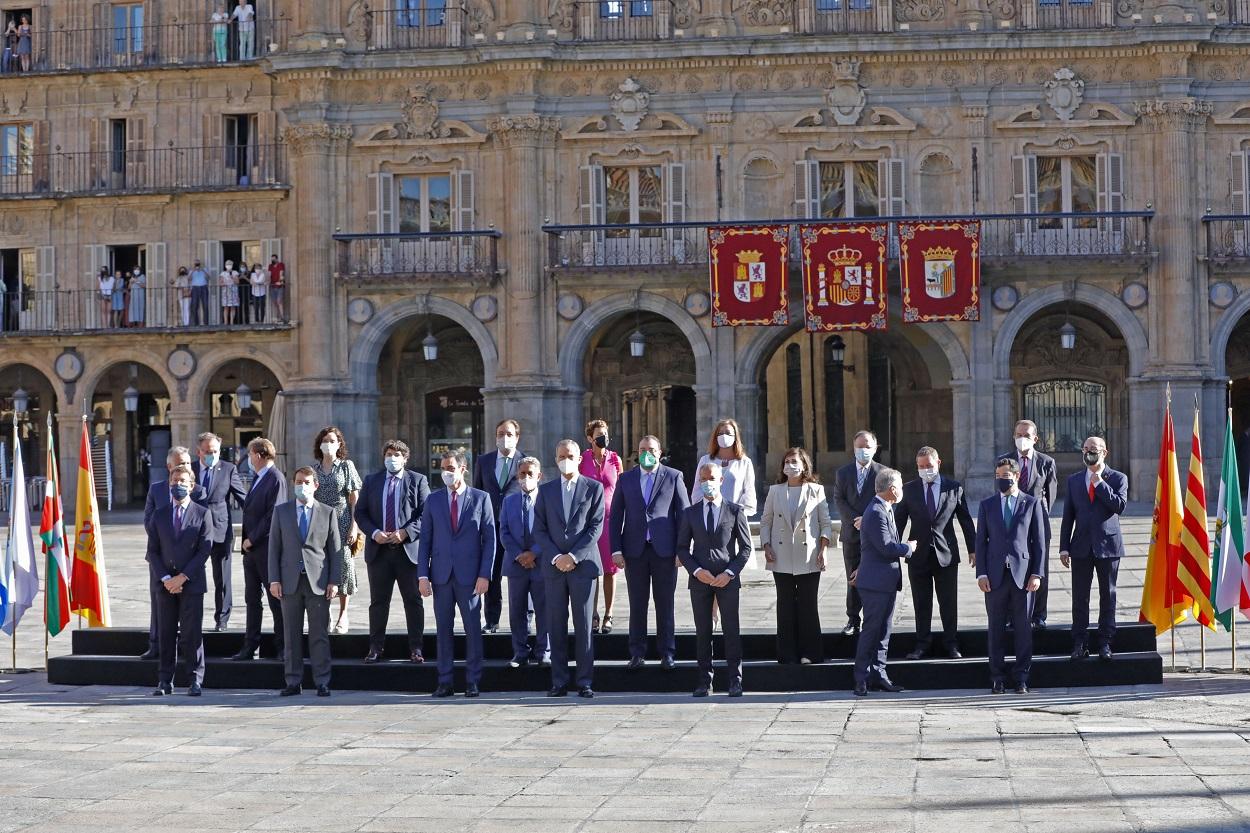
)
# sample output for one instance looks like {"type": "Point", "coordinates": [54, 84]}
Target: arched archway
{"type": "Point", "coordinates": [41, 401]}
{"type": "Point", "coordinates": [1230, 354]}
{"type": "Point", "coordinates": [238, 395]}
{"type": "Point", "coordinates": [130, 406]}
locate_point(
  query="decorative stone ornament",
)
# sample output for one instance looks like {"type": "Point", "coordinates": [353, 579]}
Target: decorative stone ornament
{"type": "Point", "coordinates": [181, 363]}
{"type": "Point", "coordinates": [1135, 295]}
{"type": "Point", "coordinates": [1223, 294]}
{"type": "Point", "coordinates": [697, 304]}
{"type": "Point", "coordinates": [846, 98]}
{"type": "Point", "coordinates": [570, 306]}
{"type": "Point", "coordinates": [68, 366]}
{"type": "Point", "coordinates": [359, 310]}
{"type": "Point", "coordinates": [485, 308]}
{"type": "Point", "coordinates": [420, 116]}
{"type": "Point", "coordinates": [1064, 93]}
{"type": "Point", "coordinates": [629, 104]}
{"type": "Point", "coordinates": [1005, 298]}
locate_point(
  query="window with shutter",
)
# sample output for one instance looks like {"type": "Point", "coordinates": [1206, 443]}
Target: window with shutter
{"type": "Point", "coordinates": [45, 286]}
{"type": "Point", "coordinates": [1110, 172]}
{"type": "Point", "coordinates": [591, 212]}
{"type": "Point", "coordinates": [96, 257]}
{"type": "Point", "coordinates": [463, 207]}
{"type": "Point", "coordinates": [806, 188]}
{"type": "Point", "coordinates": [675, 210]}
{"type": "Point", "coordinates": [891, 187]}
{"type": "Point", "coordinates": [160, 299]}
{"type": "Point", "coordinates": [136, 152]}
{"type": "Point", "coordinates": [1238, 177]}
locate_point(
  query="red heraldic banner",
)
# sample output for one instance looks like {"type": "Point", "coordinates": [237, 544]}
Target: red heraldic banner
{"type": "Point", "coordinates": [844, 276]}
{"type": "Point", "coordinates": [748, 265]}
{"type": "Point", "coordinates": [941, 270]}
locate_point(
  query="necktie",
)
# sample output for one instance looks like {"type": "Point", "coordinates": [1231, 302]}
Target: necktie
{"type": "Point", "coordinates": [303, 523]}
{"type": "Point", "coordinates": [208, 479]}
{"type": "Point", "coordinates": [1091, 490]}
{"type": "Point", "coordinates": [503, 471]}
{"type": "Point", "coordinates": [388, 513]}
{"type": "Point", "coordinates": [711, 520]}
{"type": "Point", "coordinates": [648, 483]}
{"type": "Point", "coordinates": [526, 520]}
{"type": "Point", "coordinates": [1024, 471]}
{"type": "Point", "coordinates": [860, 473]}
{"type": "Point", "coordinates": [1007, 513]}
{"type": "Point", "coordinates": [930, 499]}
{"type": "Point", "coordinates": [177, 517]}
{"type": "Point", "coordinates": [455, 512]}
{"type": "Point", "coordinates": [568, 500]}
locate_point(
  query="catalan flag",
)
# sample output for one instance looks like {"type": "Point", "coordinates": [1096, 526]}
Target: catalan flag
{"type": "Point", "coordinates": [88, 589]}
{"type": "Point", "coordinates": [1193, 564]}
{"type": "Point", "coordinates": [1158, 602]}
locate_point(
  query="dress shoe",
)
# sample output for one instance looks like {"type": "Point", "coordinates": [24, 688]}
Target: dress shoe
{"type": "Point", "coordinates": [518, 662]}
{"type": "Point", "coordinates": [471, 690]}
{"type": "Point", "coordinates": [372, 657]}
{"type": "Point", "coordinates": [416, 657]}
{"type": "Point", "coordinates": [1104, 653]}
{"type": "Point", "coordinates": [1022, 688]}
{"type": "Point", "coordinates": [702, 691]}
{"type": "Point", "coordinates": [1039, 624]}
{"type": "Point", "coordinates": [668, 663]}
{"type": "Point", "coordinates": [916, 654]}
{"type": "Point", "coordinates": [290, 691]}
{"type": "Point", "coordinates": [545, 661]}
{"type": "Point", "coordinates": [735, 690]}
{"type": "Point", "coordinates": [861, 690]}
{"type": "Point", "coordinates": [851, 629]}
{"type": "Point", "coordinates": [162, 689]}
{"type": "Point", "coordinates": [216, 629]}
{"type": "Point", "coordinates": [194, 690]}
{"type": "Point", "coordinates": [443, 691]}
{"type": "Point", "coordinates": [491, 628]}
{"type": "Point", "coordinates": [150, 653]}
{"type": "Point", "coordinates": [1079, 652]}
{"type": "Point", "coordinates": [244, 656]}
{"type": "Point", "coordinates": [953, 653]}
{"type": "Point", "coordinates": [885, 684]}
{"type": "Point", "coordinates": [323, 691]}
{"type": "Point", "coordinates": [636, 663]}
{"type": "Point", "coordinates": [586, 692]}
{"type": "Point", "coordinates": [998, 688]}
{"type": "Point", "coordinates": [558, 691]}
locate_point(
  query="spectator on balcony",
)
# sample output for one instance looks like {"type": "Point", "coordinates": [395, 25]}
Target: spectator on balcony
{"type": "Point", "coordinates": [229, 283]}
{"type": "Point", "coordinates": [277, 287]}
{"type": "Point", "coordinates": [138, 298]}
{"type": "Point", "coordinates": [182, 283]}
{"type": "Point", "coordinates": [23, 43]}
{"type": "Point", "coordinates": [105, 283]}
{"type": "Point", "coordinates": [244, 276]}
{"type": "Point", "coordinates": [8, 62]}
{"type": "Point", "coordinates": [260, 288]}
{"type": "Point", "coordinates": [245, 14]}
{"type": "Point", "coordinates": [119, 300]}
{"type": "Point", "coordinates": [199, 295]}
{"type": "Point", "coordinates": [220, 21]}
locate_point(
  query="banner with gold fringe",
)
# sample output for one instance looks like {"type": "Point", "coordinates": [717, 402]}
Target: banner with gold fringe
{"type": "Point", "coordinates": [844, 276]}
{"type": "Point", "coordinates": [748, 275]}
{"type": "Point", "coordinates": [940, 270]}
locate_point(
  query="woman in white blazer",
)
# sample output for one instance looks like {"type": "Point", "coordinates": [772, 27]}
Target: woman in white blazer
{"type": "Point", "coordinates": [795, 530]}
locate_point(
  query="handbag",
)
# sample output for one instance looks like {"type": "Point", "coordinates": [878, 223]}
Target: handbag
{"type": "Point", "coordinates": [358, 546]}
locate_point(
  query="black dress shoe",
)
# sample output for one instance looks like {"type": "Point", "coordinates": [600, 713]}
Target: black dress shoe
{"type": "Point", "coordinates": [885, 684]}
{"type": "Point", "coordinates": [490, 629]}
{"type": "Point", "coordinates": [953, 653]}
{"type": "Point", "coordinates": [558, 691]}
{"type": "Point", "coordinates": [735, 690]}
{"type": "Point", "coordinates": [518, 662]}
{"type": "Point", "coordinates": [471, 691]}
{"type": "Point", "coordinates": [851, 629]}
{"type": "Point", "coordinates": [586, 692]}
{"type": "Point", "coordinates": [1022, 688]}
{"type": "Point", "coordinates": [668, 663]}
{"type": "Point", "coordinates": [1039, 624]}
{"type": "Point", "coordinates": [372, 657]}
{"type": "Point", "coordinates": [416, 657]}
{"type": "Point", "coordinates": [636, 663]}
{"type": "Point", "coordinates": [998, 688]}
{"type": "Point", "coordinates": [443, 691]}
{"type": "Point", "coordinates": [861, 690]}
{"type": "Point", "coordinates": [194, 690]}
{"type": "Point", "coordinates": [1079, 652]}
{"type": "Point", "coordinates": [290, 691]}
{"type": "Point", "coordinates": [1104, 653]}
{"type": "Point", "coordinates": [150, 653]}
{"type": "Point", "coordinates": [323, 691]}
{"type": "Point", "coordinates": [244, 656]}
{"type": "Point", "coordinates": [162, 689]}
{"type": "Point", "coordinates": [916, 654]}
{"type": "Point", "coordinates": [702, 691]}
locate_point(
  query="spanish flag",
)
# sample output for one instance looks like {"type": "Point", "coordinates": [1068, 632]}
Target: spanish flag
{"type": "Point", "coordinates": [1158, 604]}
{"type": "Point", "coordinates": [88, 589]}
{"type": "Point", "coordinates": [1193, 566]}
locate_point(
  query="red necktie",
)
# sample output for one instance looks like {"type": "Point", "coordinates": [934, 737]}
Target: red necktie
{"type": "Point", "coordinates": [1024, 471]}
{"type": "Point", "coordinates": [455, 512]}
{"type": "Point", "coordinates": [1091, 490]}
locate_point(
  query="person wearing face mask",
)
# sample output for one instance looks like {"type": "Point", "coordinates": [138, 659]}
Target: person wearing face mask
{"type": "Point", "coordinates": [642, 529]}
{"type": "Point", "coordinates": [879, 580]}
{"type": "Point", "coordinates": [1037, 478]}
{"type": "Point", "coordinates": [454, 560]}
{"type": "Point", "coordinates": [268, 490]}
{"type": "Point", "coordinates": [1010, 548]}
{"type": "Point", "coordinates": [725, 448]}
{"type": "Point", "coordinates": [853, 492]}
{"type": "Point", "coordinates": [526, 587]}
{"type": "Point", "coordinates": [338, 486]}
{"type": "Point", "coordinates": [1090, 542]}
{"type": "Point", "coordinates": [568, 519]}
{"type": "Point", "coordinates": [495, 473]}
{"type": "Point", "coordinates": [304, 569]}
{"type": "Point", "coordinates": [604, 465]}
{"type": "Point", "coordinates": [714, 543]}
{"type": "Point", "coordinates": [177, 552]}
{"type": "Point", "coordinates": [935, 505]}
{"type": "Point", "coordinates": [795, 530]}
{"type": "Point", "coordinates": [158, 500]}
{"type": "Point", "coordinates": [219, 490]}
{"type": "Point", "coordinates": [389, 516]}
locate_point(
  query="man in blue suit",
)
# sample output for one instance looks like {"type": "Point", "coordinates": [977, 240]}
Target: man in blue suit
{"type": "Point", "coordinates": [1037, 478]}
{"type": "Point", "coordinates": [454, 560]}
{"type": "Point", "coordinates": [388, 513]}
{"type": "Point", "coordinates": [495, 474]}
{"type": "Point", "coordinates": [158, 498]}
{"type": "Point", "coordinates": [568, 518]}
{"type": "Point", "coordinates": [1011, 553]}
{"type": "Point", "coordinates": [268, 490]}
{"type": "Point", "coordinates": [178, 547]}
{"type": "Point", "coordinates": [526, 584]}
{"type": "Point", "coordinates": [219, 487]}
{"type": "Point", "coordinates": [878, 579]}
{"type": "Point", "coordinates": [1090, 542]}
{"type": "Point", "coordinates": [642, 529]}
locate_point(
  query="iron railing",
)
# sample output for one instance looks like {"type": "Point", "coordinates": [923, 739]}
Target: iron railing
{"type": "Point", "coordinates": [1228, 237]}
{"type": "Point", "coordinates": [622, 20]}
{"type": "Point", "coordinates": [1101, 234]}
{"type": "Point", "coordinates": [152, 45]}
{"type": "Point", "coordinates": [153, 169]}
{"type": "Point", "coordinates": [1239, 12]}
{"type": "Point", "coordinates": [853, 16]}
{"type": "Point", "coordinates": [34, 312]}
{"type": "Point", "coordinates": [419, 256]}
{"type": "Point", "coordinates": [414, 24]}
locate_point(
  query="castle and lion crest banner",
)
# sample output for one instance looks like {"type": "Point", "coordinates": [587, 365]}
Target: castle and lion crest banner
{"type": "Point", "coordinates": [940, 270]}
{"type": "Point", "coordinates": [748, 273]}
{"type": "Point", "coordinates": [844, 276]}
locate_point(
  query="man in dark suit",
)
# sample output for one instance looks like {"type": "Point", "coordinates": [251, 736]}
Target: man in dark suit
{"type": "Point", "coordinates": [1090, 542]}
{"type": "Point", "coordinates": [158, 499]}
{"type": "Point", "coordinates": [879, 579]}
{"type": "Point", "coordinates": [219, 490]}
{"type": "Point", "coordinates": [568, 518]}
{"type": "Point", "coordinates": [714, 544]}
{"type": "Point", "coordinates": [934, 505]}
{"type": "Point", "coordinates": [1010, 547]}
{"type": "Point", "coordinates": [526, 584]}
{"type": "Point", "coordinates": [495, 474]}
{"type": "Point", "coordinates": [268, 490]}
{"type": "Point", "coordinates": [389, 516]}
{"type": "Point", "coordinates": [455, 555]}
{"type": "Point", "coordinates": [1039, 479]}
{"type": "Point", "coordinates": [178, 547]}
{"type": "Point", "coordinates": [852, 493]}
{"type": "Point", "coordinates": [642, 529]}
{"type": "Point", "coordinates": [305, 572]}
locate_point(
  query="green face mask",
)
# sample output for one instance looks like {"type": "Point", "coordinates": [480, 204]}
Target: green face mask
{"type": "Point", "coordinates": [648, 460]}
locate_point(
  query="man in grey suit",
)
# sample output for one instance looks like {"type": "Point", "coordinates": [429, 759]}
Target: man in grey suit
{"type": "Point", "coordinates": [568, 518]}
{"type": "Point", "coordinates": [305, 572]}
{"type": "Point", "coordinates": [879, 579]}
{"type": "Point", "coordinates": [852, 493]}
{"type": "Point", "coordinates": [218, 487]}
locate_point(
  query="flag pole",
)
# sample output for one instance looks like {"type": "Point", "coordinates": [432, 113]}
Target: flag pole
{"type": "Point", "coordinates": [1202, 647]}
{"type": "Point", "coordinates": [1169, 556]}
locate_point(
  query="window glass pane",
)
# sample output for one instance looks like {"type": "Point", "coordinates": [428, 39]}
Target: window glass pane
{"type": "Point", "coordinates": [8, 149]}
{"type": "Point", "coordinates": [866, 189]}
{"type": "Point", "coordinates": [860, 5]}
{"type": "Point", "coordinates": [828, 5]}
{"type": "Point", "coordinates": [1083, 171]}
{"type": "Point", "coordinates": [1066, 412]}
{"type": "Point", "coordinates": [409, 188]}
{"type": "Point", "coordinates": [440, 203]}
{"type": "Point", "coordinates": [612, 9]}
{"type": "Point", "coordinates": [26, 148]}
{"type": "Point", "coordinates": [640, 8]}
{"type": "Point", "coordinates": [832, 189]}
{"type": "Point", "coordinates": [650, 208]}
{"type": "Point", "coordinates": [1049, 188]}
{"type": "Point", "coordinates": [435, 12]}
{"type": "Point", "coordinates": [616, 195]}
{"type": "Point", "coordinates": [136, 28]}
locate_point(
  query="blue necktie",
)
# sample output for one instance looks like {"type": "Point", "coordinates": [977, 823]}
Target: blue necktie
{"type": "Point", "coordinates": [648, 483]}
{"type": "Point", "coordinates": [303, 523]}
{"type": "Point", "coordinates": [526, 521]}
{"type": "Point", "coordinates": [1007, 513]}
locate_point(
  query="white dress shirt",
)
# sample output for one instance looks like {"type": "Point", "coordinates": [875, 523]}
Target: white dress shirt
{"type": "Point", "coordinates": [568, 485]}
{"type": "Point", "coordinates": [717, 504]}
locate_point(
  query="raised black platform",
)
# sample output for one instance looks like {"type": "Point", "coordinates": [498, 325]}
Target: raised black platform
{"type": "Point", "coordinates": [110, 657]}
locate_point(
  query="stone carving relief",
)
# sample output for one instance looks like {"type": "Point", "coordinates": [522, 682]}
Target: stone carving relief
{"type": "Point", "coordinates": [14, 103]}
{"type": "Point", "coordinates": [560, 13]}
{"type": "Point", "coordinates": [1064, 93]}
{"type": "Point", "coordinates": [919, 11]}
{"type": "Point", "coordinates": [685, 12]}
{"type": "Point", "coordinates": [358, 25]}
{"type": "Point", "coordinates": [846, 98]}
{"type": "Point", "coordinates": [479, 15]}
{"type": "Point", "coordinates": [764, 12]}
{"type": "Point", "coordinates": [629, 104]}
{"type": "Point", "coordinates": [238, 94]}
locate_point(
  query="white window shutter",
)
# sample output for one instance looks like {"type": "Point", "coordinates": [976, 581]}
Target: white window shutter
{"type": "Point", "coordinates": [464, 200]}
{"type": "Point", "coordinates": [97, 258]}
{"type": "Point", "coordinates": [675, 208]}
{"type": "Point", "coordinates": [386, 203]}
{"type": "Point", "coordinates": [593, 209]}
{"type": "Point", "coordinates": [45, 286]}
{"type": "Point", "coordinates": [160, 297]}
{"type": "Point", "coordinates": [1110, 175]}
{"type": "Point", "coordinates": [1237, 178]}
{"type": "Point", "coordinates": [891, 187]}
{"type": "Point", "coordinates": [371, 221]}
{"type": "Point", "coordinates": [807, 189]}
{"type": "Point", "coordinates": [269, 247]}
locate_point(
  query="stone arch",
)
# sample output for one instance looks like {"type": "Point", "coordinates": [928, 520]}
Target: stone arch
{"type": "Point", "coordinates": [216, 359]}
{"type": "Point", "coordinates": [146, 357]}
{"type": "Point", "coordinates": [1223, 332]}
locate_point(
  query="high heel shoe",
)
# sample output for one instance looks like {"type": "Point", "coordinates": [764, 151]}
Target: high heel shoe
{"type": "Point", "coordinates": [607, 625]}
{"type": "Point", "coordinates": [594, 624]}
{"type": "Point", "coordinates": [341, 625]}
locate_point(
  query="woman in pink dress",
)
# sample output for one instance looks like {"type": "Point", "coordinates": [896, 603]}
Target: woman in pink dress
{"type": "Point", "coordinates": [598, 463]}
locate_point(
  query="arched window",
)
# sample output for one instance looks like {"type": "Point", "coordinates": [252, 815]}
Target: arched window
{"type": "Point", "coordinates": [794, 396]}
{"type": "Point", "coordinates": [1066, 412]}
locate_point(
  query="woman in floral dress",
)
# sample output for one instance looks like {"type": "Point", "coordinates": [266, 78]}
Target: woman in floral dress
{"type": "Point", "coordinates": [338, 485]}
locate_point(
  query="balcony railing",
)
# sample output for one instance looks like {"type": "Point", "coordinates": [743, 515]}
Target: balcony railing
{"type": "Point", "coordinates": [622, 20]}
{"type": "Point", "coordinates": [153, 170]}
{"type": "Point", "coordinates": [157, 45]}
{"type": "Point", "coordinates": [1228, 237]}
{"type": "Point", "coordinates": [27, 312]}
{"type": "Point", "coordinates": [423, 256]}
{"type": "Point", "coordinates": [853, 16]}
{"type": "Point", "coordinates": [1067, 14]}
{"type": "Point", "coordinates": [1103, 234]}
{"type": "Point", "coordinates": [414, 24]}
{"type": "Point", "coordinates": [1239, 12]}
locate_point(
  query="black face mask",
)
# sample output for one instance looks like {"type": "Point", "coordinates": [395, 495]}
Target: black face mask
{"type": "Point", "coordinates": [601, 441]}
{"type": "Point", "coordinates": [1091, 458]}
{"type": "Point", "coordinates": [1004, 484]}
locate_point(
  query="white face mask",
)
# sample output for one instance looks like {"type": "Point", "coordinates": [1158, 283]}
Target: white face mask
{"type": "Point", "coordinates": [725, 440]}
{"type": "Point", "coordinates": [304, 492]}
{"type": "Point", "coordinates": [449, 478]}
{"type": "Point", "coordinates": [928, 475]}
{"type": "Point", "coordinates": [528, 484]}
{"type": "Point", "coordinates": [792, 469]}
{"type": "Point", "coordinates": [864, 455]}
{"type": "Point", "coordinates": [1024, 444]}
{"type": "Point", "coordinates": [505, 443]}
{"type": "Point", "coordinates": [566, 466]}
{"type": "Point", "coordinates": [329, 449]}
{"type": "Point", "coordinates": [394, 463]}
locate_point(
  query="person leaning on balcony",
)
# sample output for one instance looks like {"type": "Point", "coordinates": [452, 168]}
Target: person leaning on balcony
{"type": "Point", "coordinates": [199, 295]}
{"type": "Point", "coordinates": [138, 298]}
{"type": "Point", "coordinates": [104, 282]}
{"type": "Point", "coordinates": [277, 287]}
{"type": "Point", "coordinates": [119, 299]}
{"type": "Point", "coordinates": [243, 277]}
{"type": "Point", "coordinates": [23, 43]}
{"type": "Point", "coordinates": [182, 283]}
{"type": "Point", "coordinates": [9, 60]}
{"type": "Point", "coordinates": [228, 280]}
{"type": "Point", "coordinates": [260, 288]}
{"type": "Point", "coordinates": [220, 21]}
{"type": "Point", "coordinates": [246, 15]}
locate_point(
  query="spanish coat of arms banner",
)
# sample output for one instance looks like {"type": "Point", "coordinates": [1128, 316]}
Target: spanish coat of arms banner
{"type": "Point", "coordinates": [844, 276]}
{"type": "Point", "coordinates": [748, 273]}
{"type": "Point", "coordinates": [940, 270]}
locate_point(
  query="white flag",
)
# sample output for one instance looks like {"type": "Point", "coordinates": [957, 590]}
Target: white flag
{"type": "Point", "coordinates": [20, 573]}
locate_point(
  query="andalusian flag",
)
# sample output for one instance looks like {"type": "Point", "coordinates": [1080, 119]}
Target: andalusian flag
{"type": "Point", "coordinates": [1193, 566]}
{"type": "Point", "coordinates": [1158, 604]}
{"type": "Point", "coordinates": [52, 534]}
{"type": "Point", "coordinates": [1227, 588]}
{"type": "Point", "coordinates": [88, 588]}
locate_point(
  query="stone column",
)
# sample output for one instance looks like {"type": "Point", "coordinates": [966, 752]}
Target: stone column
{"type": "Point", "coordinates": [185, 424]}
{"type": "Point", "coordinates": [317, 25]}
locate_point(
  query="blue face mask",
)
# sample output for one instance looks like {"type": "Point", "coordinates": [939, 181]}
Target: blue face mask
{"type": "Point", "coordinates": [179, 492]}
{"type": "Point", "coordinates": [210, 460]}
{"type": "Point", "coordinates": [709, 488]}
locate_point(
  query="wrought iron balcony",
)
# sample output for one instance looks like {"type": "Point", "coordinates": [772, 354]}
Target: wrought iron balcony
{"type": "Point", "coordinates": [1067, 14]}
{"type": "Point", "coordinates": [412, 24]}
{"type": "Point", "coordinates": [58, 311]}
{"type": "Point", "coordinates": [619, 20]}
{"type": "Point", "coordinates": [1228, 238]}
{"type": "Point", "coordinates": [143, 171]}
{"type": "Point", "coordinates": [427, 256]}
{"type": "Point", "coordinates": [845, 16]}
